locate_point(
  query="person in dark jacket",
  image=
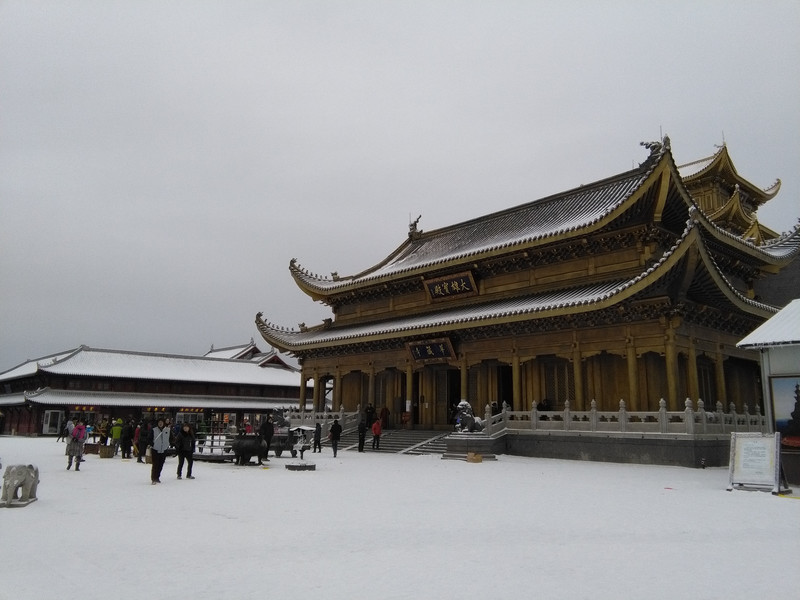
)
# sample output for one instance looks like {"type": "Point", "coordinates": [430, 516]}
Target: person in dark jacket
{"type": "Point", "coordinates": [318, 438]}
{"type": "Point", "coordinates": [266, 431]}
{"type": "Point", "coordinates": [335, 435]}
{"type": "Point", "coordinates": [140, 438]}
{"type": "Point", "coordinates": [362, 435]}
{"type": "Point", "coordinates": [126, 439]}
{"type": "Point", "coordinates": [184, 446]}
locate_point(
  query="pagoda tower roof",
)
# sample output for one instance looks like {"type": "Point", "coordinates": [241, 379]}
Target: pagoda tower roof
{"type": "Point", "coordinates": [720, 165]}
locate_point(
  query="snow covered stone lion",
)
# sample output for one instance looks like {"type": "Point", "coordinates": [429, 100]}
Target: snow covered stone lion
{"type": "Point", "coordinates": [466, 419]}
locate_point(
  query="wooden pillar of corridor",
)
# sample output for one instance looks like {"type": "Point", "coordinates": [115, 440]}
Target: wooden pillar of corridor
{"type": "Point", "coordinates": [693, 378]}
{"type": "Point", "coordinates": [516, 383]}
{"type": "Point", "coordinates": [315, 394]}
{"type": "Point", "coordinates": [719, 371]}
{"type": "Point", "coordinates": [337, 392]}
{"type": "Point", "coordinates": [409, 407]}
{"type": "Point", "coordinates": [577, 373]}
{"type": "Point", "coordinates": [671, 360]}
{"type": "Point", "coordinates": [370, 386]}
{"type": "Point", "coordinates": [633, 375]}
{"type": "Point", "coordinates": [464, 373]}
{"type": "Point", "coordinates": [303, 388]}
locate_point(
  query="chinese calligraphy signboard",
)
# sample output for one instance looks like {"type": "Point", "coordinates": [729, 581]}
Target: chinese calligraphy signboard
{"type": "Point", "coordinates": [444, 288]}
{"type": "Point", "coordinates": [438, 350]}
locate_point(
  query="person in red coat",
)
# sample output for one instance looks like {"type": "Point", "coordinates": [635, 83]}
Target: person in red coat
{"type": "Point", "coordinates": [376, 434]}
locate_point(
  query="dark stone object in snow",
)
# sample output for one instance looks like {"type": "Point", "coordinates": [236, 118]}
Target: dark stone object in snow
{"type": "Point", "coordinates": [246, 447]}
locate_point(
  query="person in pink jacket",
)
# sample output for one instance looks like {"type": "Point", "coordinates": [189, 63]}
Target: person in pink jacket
{"type": "Point", "coordinates": [76, 441]}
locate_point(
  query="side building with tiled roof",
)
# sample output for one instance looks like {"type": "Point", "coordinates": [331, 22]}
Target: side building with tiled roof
{"type": "Point", "coordinates": [38, 395]}
{"type": "Point", "coordinates": [634, 288]}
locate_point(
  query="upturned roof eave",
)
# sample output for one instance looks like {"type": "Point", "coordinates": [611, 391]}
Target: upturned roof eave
{"type": "Point", "coordinates": [778, 252]}
{"type": "Point", "coordinates": [721, 162]}
{"type": "Point", "coordinates": [621, 292]}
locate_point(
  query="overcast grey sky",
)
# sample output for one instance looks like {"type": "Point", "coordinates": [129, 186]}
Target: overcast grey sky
{"type": "Point", "coordinates": [161, 162]}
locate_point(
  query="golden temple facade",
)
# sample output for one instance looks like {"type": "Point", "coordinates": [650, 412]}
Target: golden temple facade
{"type": "Point", "coordinates": [636, 287]}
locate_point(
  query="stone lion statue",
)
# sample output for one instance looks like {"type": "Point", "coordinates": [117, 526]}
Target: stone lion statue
{"type": "Point", "coordinates": [466, 419]}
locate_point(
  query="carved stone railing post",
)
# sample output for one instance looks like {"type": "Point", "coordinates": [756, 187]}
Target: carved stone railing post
{"type": "Point", "coordinates": [487, 414]}
{"type": "Point", "coordinates": [688, 416]}
{"type": "Point", "coordinates": [701, 408]}
{"type": "Point", "coordinates": [761, 421]}
{"type": "Point", "coordinates": [534, 417]}
{"type": "Point", "coordinates": [593, 417]}
{"type": "Point", "coordinates": [662, 415]}
{"type": "Point", "coordinates": [734, 416]}
{"type": "Point", "coordinates": [566, 415]}
{"type": "Point", "coordinates": [720, 416]}
{"type": "Point", "coordinates": [623, 416]}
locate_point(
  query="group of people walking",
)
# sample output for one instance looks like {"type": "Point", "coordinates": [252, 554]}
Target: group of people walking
{"type": "Point", "coordinates": [158, 440]}
{"type": "Point", "coordinates": [146, 440]}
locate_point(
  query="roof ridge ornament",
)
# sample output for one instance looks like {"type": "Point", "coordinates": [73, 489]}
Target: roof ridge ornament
{"type": "Point", "coordinates": [656, 147]}
{"type": "Point", "coordinates": [413, 232]}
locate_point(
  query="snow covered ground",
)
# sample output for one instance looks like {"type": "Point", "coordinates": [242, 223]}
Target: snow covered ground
{"type": "Point", "coordinates": [375, 526]}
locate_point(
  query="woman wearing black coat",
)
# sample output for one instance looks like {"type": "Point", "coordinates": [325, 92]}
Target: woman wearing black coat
{"type": "Point", "coordinates": [318, 438]}
{"type": "Point", "coordinates": [184, 446]}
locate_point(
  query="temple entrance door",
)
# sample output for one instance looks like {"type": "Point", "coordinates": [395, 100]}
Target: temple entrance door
{"type": "Point", "coordinates": [505, 386]}
{"type": "Point", "coordinates": [448, 395]}
{"type": "Point", "coordinates": [52, 422]}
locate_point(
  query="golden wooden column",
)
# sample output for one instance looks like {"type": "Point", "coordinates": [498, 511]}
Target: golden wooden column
{"type": "Point", "coordinates": [577, 373]}
{"type": "Point", "coordinates": [516, 383]}
{"type": "Point", "coordinates": [535, 391]}
{"type": "Point", "coordinates": [671, 360]}
{"type": "Point", "coordinates": [409, 407]}
{"type": "Point", "coordinates": [337, 392]}
{"type": "Point", "coordinates": [464, 378]}
{"type": "Point", "coordinates": [693, 378]}
{"type": "Point", "coordinates": [633, 376]}
{"type": "Point", "coordinates": [303, 387]}
{"type": "Point", "coordinates": [315, 395]}
{"type": "Point", "coordinates": [371, 386]}
{"type": "Point", "coordinates": [719, 372]}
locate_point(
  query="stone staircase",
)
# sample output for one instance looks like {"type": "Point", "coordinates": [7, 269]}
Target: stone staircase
{"type": "Point", "coordinates": [400, 441]}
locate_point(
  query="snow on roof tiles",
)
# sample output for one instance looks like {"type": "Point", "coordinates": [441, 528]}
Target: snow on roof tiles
{"type": "Point", "coordinates": [65, 397]}
{"type": "Point", "coordinates": [137, 365]}
{"type": "Point", "coordinates": [30, 367]}
{"type": "Point", "coordinates": [539, 219]}
{"type": "Point", "coordinates": [783, 329]}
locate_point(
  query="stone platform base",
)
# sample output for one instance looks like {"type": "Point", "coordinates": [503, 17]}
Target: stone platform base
{"type": "Point", "coordinates": [301, 467]}
{"type": "Point", "coordinates": [17, 503]}
{"type": "Point", "coordinates": [670, 449]}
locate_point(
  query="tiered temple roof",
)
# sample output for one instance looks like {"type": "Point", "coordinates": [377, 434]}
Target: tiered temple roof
{"type": "Point", "coordinates": [714, 258]}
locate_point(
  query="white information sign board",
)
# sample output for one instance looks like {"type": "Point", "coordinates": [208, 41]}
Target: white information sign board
{"type": "Point", "coordinates": [755, 461]}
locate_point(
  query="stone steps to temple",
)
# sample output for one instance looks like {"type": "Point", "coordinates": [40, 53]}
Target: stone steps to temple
{"type": "Point", "coordinates": [400, 441]}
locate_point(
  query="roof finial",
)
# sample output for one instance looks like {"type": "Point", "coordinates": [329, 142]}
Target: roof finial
{"type": "Point", "coordinates": [654, 147]}
{"type": "Point", "coordinates": [413, 232]}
